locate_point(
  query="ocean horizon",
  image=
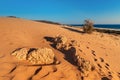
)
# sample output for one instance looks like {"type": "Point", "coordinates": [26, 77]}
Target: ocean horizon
{"type": "Point", "coordinates": [106, 26]}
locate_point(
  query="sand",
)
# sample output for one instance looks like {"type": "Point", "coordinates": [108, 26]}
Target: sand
{"type": "Point", "coordinates": [101, 49]}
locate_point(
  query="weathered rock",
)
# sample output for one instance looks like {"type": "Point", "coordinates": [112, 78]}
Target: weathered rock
{"type": "Point", "coordinates": [21, 53]}
{"type": "Point", "coordinates": [41, 56]}
{"type": "Point", "coordinates": [74, 43]}
{"type": "Point", "coordinates": [60, 41]}
{"type": "Point", "coordinates": [84, 66]}
{"type": "Point", "coordinates": [70, 47]}
{"type": "Point", "coordinates": [67, 47]}
{"type": "Point", "coordinates": [35, 55]}
{"type": "Point", "coordinates": [59, 46]}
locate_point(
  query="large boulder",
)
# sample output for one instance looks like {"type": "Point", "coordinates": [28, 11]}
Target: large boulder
{"type": "Point", "coordinates": [35, 55]}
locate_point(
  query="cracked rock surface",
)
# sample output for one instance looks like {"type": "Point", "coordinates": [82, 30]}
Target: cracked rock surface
{"type": "Point", "coordinates": [35, 55]}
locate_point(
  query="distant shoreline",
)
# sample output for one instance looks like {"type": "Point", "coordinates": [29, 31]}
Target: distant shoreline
{"type": "Point", "coordinates": [103, 26]}
{"type": "Point", "coordinates": [100, 28]}
{"type": "Point", "coordinates": [104, 30]}
{"type": "Point", "coordinates": [107, 30]}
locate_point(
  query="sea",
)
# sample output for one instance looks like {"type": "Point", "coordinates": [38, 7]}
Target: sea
{"type": "Point", "coordinates": [103, 26]}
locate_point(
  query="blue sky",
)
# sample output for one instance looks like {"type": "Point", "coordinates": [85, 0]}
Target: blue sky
{"type": "Point", "coordinates": [64, 11]}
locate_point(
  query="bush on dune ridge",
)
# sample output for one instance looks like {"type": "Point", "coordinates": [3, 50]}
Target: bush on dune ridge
{"type": "Point", "coordinates": [88, 26]}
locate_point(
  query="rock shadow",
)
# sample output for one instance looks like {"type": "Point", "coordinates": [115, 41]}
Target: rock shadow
{"type": "Point", "coordinates": [50, 39]}
{"type": "Point", "coordinates": [105, 78]}
{"type": "Point", "coordinates": [68, 53]}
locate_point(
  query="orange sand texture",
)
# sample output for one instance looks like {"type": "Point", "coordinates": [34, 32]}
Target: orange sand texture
{"type": "Point", "coordinates": [100, 49]}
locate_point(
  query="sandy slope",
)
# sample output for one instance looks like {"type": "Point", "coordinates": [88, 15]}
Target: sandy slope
{"type": "Point", "coordinates": [16, 33]}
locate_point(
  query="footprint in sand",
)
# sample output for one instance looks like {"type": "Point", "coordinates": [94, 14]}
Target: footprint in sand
{"type": "Point", "coordinates": [80, 50]}
{"type": "Point", "coordinates": [93, 52]}
{"type": "Point", "coordinates": [5, 71]}
{"type": "Point", "coordinates": [105, 78]}
{"type": "Point", "coordinates": [44, 72]}
{"type": "Point", "coordinates": [6, 68]}
{"type": "Point", "coordinates": [87, 47]}
{"type": "Point", "coordinates": [107, 67]}
{"type": "Point", "coordinates": [27, 72]}
{"type": "Point", "coordinates": [101, 59]}
{"type": "Point", "coordinates": [37, 70]}
{"type": "Point", "coordinates": [119, 74]}
{"type": "Point", "coordinates": [99, 65]}
{"type": "Point", "coordinates": [13, 69]}
{"type": "Point", "coordinates": [35, 73]}
{"type": "Point", "coordinates": [107, 64]}
{"type": "Point", "coordinates": [95, 59]}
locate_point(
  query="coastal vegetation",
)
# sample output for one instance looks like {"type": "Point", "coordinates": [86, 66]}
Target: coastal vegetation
{"type": "Point", "coordinates": [88, 26]}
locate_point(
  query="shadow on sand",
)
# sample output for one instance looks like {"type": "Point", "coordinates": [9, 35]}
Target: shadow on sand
{"type": "Point", "coordinates": [67, 53]}
{"type": "Point", "coordinates": [74, 30]}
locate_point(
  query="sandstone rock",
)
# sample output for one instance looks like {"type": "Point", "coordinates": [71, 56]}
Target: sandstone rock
{"type": "Point", "coordinates": [62, 43]}
{"type": "Point", "coordinates": [59, 46]}
{"type": "Point", "coordinates": [35, 55]}
{"type": "Point", "coordinates": [74, 43]}
{"type": "Point", "coordinates": [21, 53]}
{"type": "Point", "coordinates": [41, 56]}
{"type": "Point", "coordinates": [84, 66]}
{"type": "Point", "coordinates": [67, 47]}
{"type": "Point", "coordinates": [61, 39]}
